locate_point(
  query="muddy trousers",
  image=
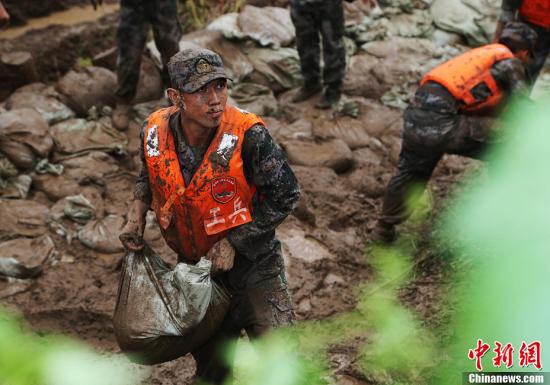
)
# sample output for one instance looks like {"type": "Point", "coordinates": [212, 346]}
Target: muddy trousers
{"type": "Point", "coordinates": [260, 302]}
{"type": "Point", "coordinates": [135, 18]}
{"type": "Point", "coordinates": [315, 21]}
{"type": "Point", "coordinates": [422, 147]}
{"type": "Point", "coordinates": [542, 49]}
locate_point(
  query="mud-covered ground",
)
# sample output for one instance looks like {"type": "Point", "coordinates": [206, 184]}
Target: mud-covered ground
{"type": "Point", "coordinates": [342, 164]}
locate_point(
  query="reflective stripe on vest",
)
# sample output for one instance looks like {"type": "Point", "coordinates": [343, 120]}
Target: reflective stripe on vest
{"type": "Point", "coordinates": [193, 218]}
{"type": "Point", "coordinates": [536, 12]}
{"type": "Point", "coordinates": [463, 73]}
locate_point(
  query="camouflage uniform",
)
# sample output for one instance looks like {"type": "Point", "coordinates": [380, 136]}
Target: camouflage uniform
{"type": "Point", "coordinates": [135, 18]}
{"type": "Point", "coordinates": [324, 17]}
{"type": "Point", "coordinates": [509, 12]}
{"type": "Point", "coordinates": [257, 281]}
{"type": "Point", "coordinates": [434, 126]}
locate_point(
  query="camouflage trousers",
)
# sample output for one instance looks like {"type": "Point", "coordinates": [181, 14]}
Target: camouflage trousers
{"type": "Point", "coordinates": [316, 22]}
{"type": "Point", "coordinates": [426, 137]}
{"type": "Point", "coordinates": [260, 302]}
{"type": "Point", "coordinates": [135, 18]}
{"type": "Point", "coordinates": [542, 49]}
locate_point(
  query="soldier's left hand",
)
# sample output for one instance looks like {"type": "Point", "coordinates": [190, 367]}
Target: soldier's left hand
{"type": "Point", "coordinates": [222, 256]}
{"type": "Point", "coordinates": [96, 3]}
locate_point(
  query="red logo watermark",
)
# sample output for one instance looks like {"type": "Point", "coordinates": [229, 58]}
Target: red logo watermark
{"type": "Point", "coordinates": [528, 354]}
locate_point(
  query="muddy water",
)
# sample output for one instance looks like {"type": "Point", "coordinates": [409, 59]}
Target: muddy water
{"type": "Point", "coordinates": [70, 16]}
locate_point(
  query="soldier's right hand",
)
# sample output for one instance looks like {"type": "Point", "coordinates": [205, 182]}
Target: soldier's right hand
{"type": "Point", "coordinates": [96, 3]}
{"type": "Point", "coordinates": [132, 234]}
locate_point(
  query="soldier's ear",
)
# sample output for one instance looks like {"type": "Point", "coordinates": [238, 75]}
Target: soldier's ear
{"type": "Point", "coordinates": [173, 95]}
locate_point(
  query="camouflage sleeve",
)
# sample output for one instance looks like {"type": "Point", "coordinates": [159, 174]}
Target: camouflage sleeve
{"type": "Point", "coordinates": [142, 190]}
{"type": "Point", "coordinates": [508, 10]}
{"type": "Point", "coordinates": [511, 76]}
{"type": "Point", "coordinates": [277, 194]}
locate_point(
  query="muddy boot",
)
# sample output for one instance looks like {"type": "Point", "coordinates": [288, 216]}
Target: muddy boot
{"type": "Point", "coordinates": [331, 97]}
{"type": "Point", "coordinates": [383, 233]}
{"type": "Point", "coordinates": [307, 91]}
{"type": "Point", "coordinates": [121, 116]}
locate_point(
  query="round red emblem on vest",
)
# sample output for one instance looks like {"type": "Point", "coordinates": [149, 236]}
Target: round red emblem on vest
{"type": "Point", "coordinates": [224, 189]}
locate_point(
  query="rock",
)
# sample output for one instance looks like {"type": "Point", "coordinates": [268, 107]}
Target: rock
{"type": "Point", "coordinates": [90, 86]}
{"type": "Point", "coordinates": [22, 217]}
{"type": "Point", "coordinates": [150, 83]}
{"type": "Point", "coordinates": [235, 61]}
{"type": "Point", "coordinates": [360, 80]}
{"type": "Point", "coordinates": [24, 257]}
{"type": "Point", "coordinates": [80, 135]}
{"type": "Point", "coordinates": [255, 98]}
{"type": "Point", "coordinates": [278, 69]}
{"type": "Point", "coordinates": [269, 26]}
{"type": "Point", "coordinates": [43, 99]}
{"type": "Point", "coordinates": [333, 153]}
{"type": "Point", "coordinates": [24, 133]}
{"type": "Point", "coordinates": [102, 235]}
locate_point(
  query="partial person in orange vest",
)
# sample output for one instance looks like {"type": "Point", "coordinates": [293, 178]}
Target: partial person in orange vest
{"type": "Point", "coordinates": [536, 14]}
{"type": "Point", "coordinates": [4, 16]}
{"type": "Point", "coordinates": [453, 112]}
{"type": "Point", "coordinates": [219, 186]}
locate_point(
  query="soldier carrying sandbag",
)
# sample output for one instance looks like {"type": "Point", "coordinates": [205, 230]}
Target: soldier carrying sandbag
{"type": "Point", "coordinates": [219, 186]}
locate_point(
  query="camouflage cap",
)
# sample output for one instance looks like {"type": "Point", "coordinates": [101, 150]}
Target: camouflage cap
{"type": "Point", "coordinates": [518, 36]}
{"type": "Point", "coordinates": [192, 68]}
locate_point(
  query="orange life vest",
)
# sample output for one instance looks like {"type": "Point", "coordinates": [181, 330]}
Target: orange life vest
{"type": "Point", "coordinates": [463, 73]}
{"type": "Point", "coordinates": [193, 218]}
{"type": "Point", "coordinates": [536, 12]}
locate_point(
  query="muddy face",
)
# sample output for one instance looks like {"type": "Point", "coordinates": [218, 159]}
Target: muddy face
{"type": "Point", "coordinates": [206, 105]}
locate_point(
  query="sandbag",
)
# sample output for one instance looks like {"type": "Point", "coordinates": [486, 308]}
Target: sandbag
{"type": "Point", "coordinates": [278, 69]}
{"type": "Point", "coordinates": [102, 234]}
{"type": "Point", "coordinates": [80, 135]}
{"type": "Point", "coordinates": [43, 99]}
{"type": "Point", "coordinates": [163, 313]}
{"type": "Point", "coordinates": [23, 136]}
{"type": "Point", "coordinates": [90, 86]}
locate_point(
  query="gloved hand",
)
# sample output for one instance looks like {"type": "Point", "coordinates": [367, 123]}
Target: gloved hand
{"type": "Point", "coordinates": [96, 3]}
{"type": "Point", "coordinates": [222, 256]}
{"type": "Point", "coordinates": [132, 233]}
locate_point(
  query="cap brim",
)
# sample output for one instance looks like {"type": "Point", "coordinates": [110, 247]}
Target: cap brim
{"type": "Point", "coordinates": [195, 84]}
